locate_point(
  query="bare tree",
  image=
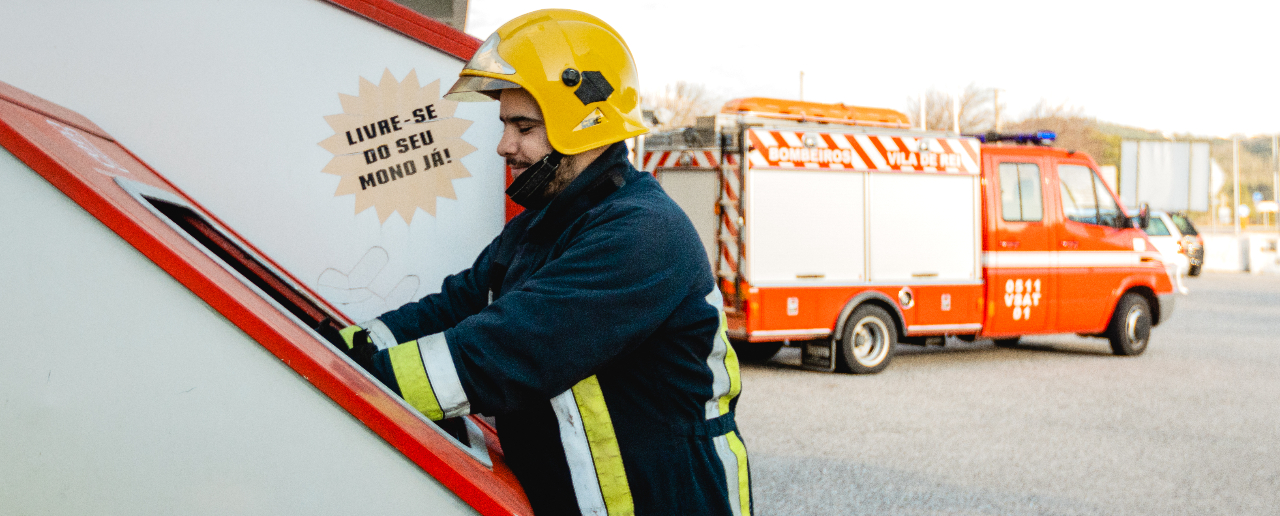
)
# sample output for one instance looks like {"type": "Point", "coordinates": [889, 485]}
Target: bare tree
{"type": "Point", "coordinates": [1074, 130]}
{"type": "Point", "coordinates": [1048, 110]}
{"type": "Point", "coordinates": [680, 105]}
{"type": "Point", "coordinates": [977, 109]}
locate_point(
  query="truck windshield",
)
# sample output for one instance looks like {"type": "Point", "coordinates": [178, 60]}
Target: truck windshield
{"type": "Point", "coordinates": [1085, 199]}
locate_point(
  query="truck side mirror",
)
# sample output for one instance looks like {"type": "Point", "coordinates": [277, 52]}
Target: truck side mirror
{"type": "Point", "coordinates": [1144, 216]}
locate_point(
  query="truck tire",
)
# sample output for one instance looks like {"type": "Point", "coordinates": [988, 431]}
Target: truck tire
{"type": "Point", "coordinates": [1130, 326]}
{"type": "Point", "coordinates": [755, 352]}
{"type": "Point", "coordinates": [1193, 271]}
{"type": "Point", "coordinates": [868, 341]}
{"type": "Point", "coordinates": [1010, 342]}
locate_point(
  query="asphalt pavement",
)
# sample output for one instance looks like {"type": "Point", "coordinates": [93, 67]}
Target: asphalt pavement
{"type": "Point", "coordinates": [1055, 426]}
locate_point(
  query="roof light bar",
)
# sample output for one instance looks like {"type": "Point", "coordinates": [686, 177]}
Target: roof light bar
{"type": "Point", "coordinates": [1036, 138]}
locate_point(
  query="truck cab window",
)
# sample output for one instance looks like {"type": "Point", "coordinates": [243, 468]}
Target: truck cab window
{"type": "Point", "coordinates": [1079, 197]}
{"type": "Point", "coordinates": [1108, 210]}
{"type": "Point", "coordinates": [1020, 199]}
{"type": "Point", "coordinates": [1086, 199]}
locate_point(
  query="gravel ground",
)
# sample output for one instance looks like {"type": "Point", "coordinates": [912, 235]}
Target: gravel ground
{"type": "Point", "coordinates": [1056, 426]}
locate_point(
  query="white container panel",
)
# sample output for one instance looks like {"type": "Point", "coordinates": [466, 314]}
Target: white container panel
{"type": "Point", "coordinates": [124, 393]}
{"type": "Point", "coordinates": [696, 191]}
{"type": "Point", "coordinates": [228, 101]}
{"type": "Point", "coordinates": [923, 227]}
{"type": "Point", "coordinates": [805, 226]}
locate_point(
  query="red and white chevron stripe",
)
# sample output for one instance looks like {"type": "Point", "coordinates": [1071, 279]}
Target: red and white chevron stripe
{"type": "Point", "coordinates": [730, 220]}
{"type": "Point", "coordinates": [693, 158]}
{"type": "Point", "coordinates": [816, 150]}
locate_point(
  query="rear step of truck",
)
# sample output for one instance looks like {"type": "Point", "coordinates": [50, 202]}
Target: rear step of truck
{"type": "Point", "coordinates": [818, 355]}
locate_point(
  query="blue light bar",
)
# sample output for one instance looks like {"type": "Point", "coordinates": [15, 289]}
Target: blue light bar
{"type": "Point", "coordinates": [1036, 138]}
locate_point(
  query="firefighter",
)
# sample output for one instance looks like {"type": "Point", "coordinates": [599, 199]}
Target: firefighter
{"type": "Point", "coordinates": [591, 328]}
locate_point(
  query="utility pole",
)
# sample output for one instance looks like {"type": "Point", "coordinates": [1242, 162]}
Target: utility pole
{"type": "Point", "coordinates": [1235, 181]}
{"type": "Point", "coordinates": [924, 126]}
{"type": "Point", "coordinates": [955, 112]}
{"type": "Point", "coordinates": [802, 85]}
{"type": "Point", "coordinates": [997, 102]}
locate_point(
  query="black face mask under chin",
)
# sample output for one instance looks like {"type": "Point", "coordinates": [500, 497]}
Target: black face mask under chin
{"type": "Point", "coordinates": [530, 189]}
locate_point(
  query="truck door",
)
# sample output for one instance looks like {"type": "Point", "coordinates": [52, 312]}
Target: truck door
{"type": "Point", "coordinates": [1020, 256]}
{"type": "Point", "coordinates": [1096, 253]}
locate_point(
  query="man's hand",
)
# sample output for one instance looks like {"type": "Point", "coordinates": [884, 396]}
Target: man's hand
{"type": "Point", "coordinates": [354, 342]}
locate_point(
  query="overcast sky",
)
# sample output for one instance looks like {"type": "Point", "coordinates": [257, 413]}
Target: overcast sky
{"type": "Point", "coordinates": [1210, 69]}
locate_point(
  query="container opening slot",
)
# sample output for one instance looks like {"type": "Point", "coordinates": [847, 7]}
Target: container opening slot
{"type": "Point", "coordinates": [281, 291]}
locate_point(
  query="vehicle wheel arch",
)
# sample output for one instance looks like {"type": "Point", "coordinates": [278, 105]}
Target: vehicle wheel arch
{"type": "Point", "coordinates": [1147, 293]}
{"type": "Point", "coordinates": [872, 297]}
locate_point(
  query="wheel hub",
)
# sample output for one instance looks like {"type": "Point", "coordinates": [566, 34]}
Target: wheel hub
{"type": "Point", "coordinates": [869, 341]}
{"type": "Point", "coordinates": [1131, 323]}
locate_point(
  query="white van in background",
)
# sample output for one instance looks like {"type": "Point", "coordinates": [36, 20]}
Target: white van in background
{"type": "Point", "coordinates": [1178, 242]}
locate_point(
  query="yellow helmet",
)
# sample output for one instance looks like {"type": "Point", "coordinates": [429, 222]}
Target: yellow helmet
{"type": "Point", "coordinates": [575, 65]}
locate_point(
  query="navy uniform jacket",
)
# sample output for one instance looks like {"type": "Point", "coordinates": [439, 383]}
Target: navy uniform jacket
{"type": "Point", "coordinates": [593, 331]}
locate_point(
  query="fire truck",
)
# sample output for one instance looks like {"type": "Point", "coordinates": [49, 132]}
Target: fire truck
{"type": "Point", "coordinates": [842, 230]}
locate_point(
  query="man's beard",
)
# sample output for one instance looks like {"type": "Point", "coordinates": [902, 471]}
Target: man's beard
{"type": "Point", "coordinates": [564, 174]}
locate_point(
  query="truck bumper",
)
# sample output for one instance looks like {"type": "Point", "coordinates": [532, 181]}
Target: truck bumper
{"type": "Point", "coordinates": [1164, 308]}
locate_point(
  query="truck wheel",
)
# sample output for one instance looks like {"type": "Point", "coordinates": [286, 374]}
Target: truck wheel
{"type": "Point", "coordinates": [868, 341]}
{"type": "Point", "coordinates": [1193, 271]}
{"type": "Point", "coordinates": [1007, 343]}
{"type": "Point", "coordinates": [1130, 325]}
{"type": "Point", "coordinates": [755, 352]}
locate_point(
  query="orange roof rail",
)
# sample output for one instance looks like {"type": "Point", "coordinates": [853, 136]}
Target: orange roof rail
{"type": "Point", "coordinates": [800, 110]}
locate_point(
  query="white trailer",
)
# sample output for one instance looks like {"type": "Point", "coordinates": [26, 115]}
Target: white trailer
{"type": "Point", "coordinates": [183, 213]}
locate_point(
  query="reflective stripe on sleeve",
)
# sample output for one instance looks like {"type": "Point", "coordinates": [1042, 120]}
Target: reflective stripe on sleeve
{"type": "Point", "coordinates": [406, 364]}
{"type": "Point", "coordinates": [733, 455]}
{"type": "Point", "coordinates": [592, 451]}
{"type": "Point", "coordinates": [726, 381]}
{"type": "Point", "coordinates": [444, 375]}
{"type": "Point", "coordinates": [428, 380]}
{"type": "Point", "coordinates": [726, 384]}
{"type": "Point", "coordinates": [379, 334]}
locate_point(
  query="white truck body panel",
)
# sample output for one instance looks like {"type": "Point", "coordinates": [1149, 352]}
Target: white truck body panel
{"type": "Point", "coordinates": [854, 222]}
{"type": "Point", "coordinates": [786, 246]}
{"type": "Point", "coordinates": [923, 227]}
{"type": "Point", "coordinates": [695, 191]}
{"type": "Point", "coordinates": [124, 393]}
{"type": "Point", "coordinates": [842, 227]}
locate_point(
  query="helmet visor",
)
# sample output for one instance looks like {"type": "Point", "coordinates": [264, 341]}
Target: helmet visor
{"type": "Point", "coordinates": [487, 59]}
{"type": "Point", "coordinates": [471, 88]}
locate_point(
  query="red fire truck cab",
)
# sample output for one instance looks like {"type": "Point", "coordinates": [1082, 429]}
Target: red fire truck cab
{"type": "Point", "coordinates": [841, 229]}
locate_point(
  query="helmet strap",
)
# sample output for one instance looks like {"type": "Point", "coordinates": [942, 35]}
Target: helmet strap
{"type": "Point", "coordinates": [530, 189]}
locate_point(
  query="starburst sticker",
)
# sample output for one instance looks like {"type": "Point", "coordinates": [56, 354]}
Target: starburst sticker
{"type": "Point", "coordinates": [397, 146]}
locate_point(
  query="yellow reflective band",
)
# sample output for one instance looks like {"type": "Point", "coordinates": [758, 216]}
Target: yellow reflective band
{"type": "Point", "coordinates": [605, 452]}
{"type": "Point", "coordinates": [730, 365]}
{"type": "Point", "coordinates": [406, 365]}
{"type": "Point", "coordinates": [744, 479]}
{"type": "Point", "coordinates": [349, 334]}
